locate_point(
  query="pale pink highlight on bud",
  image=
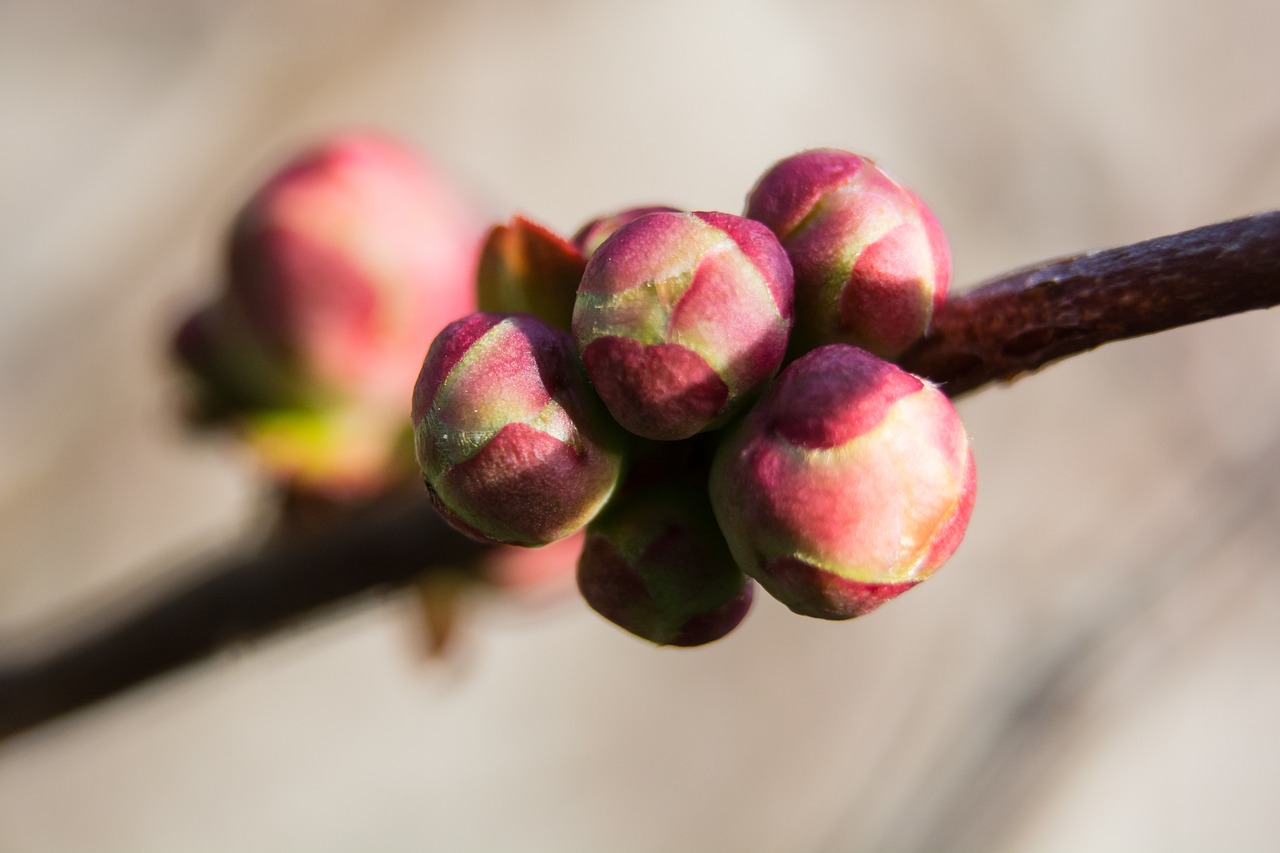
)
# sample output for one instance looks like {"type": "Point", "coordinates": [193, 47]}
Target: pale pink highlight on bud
{"type": "Point", "coordinates": [871, 262]}
{"type": "Point", "coordinates": [849, 482]}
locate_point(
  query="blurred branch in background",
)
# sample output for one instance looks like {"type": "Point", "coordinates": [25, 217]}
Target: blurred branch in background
{"type": "Point", "coordinates": [373, 547]}
{"type": "Point", "coordinates": [1011, 325]}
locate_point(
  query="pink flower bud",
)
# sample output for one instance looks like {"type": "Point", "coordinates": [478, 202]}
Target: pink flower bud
{"type": "Point", "coordinates": [590, 236]}
{"type": "Point", "coordinates": [527, 269]}
{"type": "Point", "coordinates": [849, 482]}
{"type": "Point", "coordinates": [681, 318]}
{"type": "Point", "coordinates": [349, 260]}
{"type": "Point", "coordinates": [871, 261]}
{"type": "Point", "coordinates": [655, 564]}
{"type": "Point", "coordinates": [512, 442]}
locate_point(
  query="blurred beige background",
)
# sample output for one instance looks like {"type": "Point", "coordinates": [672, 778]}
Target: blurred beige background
{"type": "Point", "coordinates": [1097, 669]}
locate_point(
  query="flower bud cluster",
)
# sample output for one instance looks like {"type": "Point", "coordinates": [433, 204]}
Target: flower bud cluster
{"type": "Point", "coordinates": [706, 394]}
{"type": "Point", "coordinates": [342, 267]}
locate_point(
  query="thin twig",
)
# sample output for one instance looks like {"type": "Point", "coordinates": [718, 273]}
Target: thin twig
{"type": "Point", "coordinates": [1013, 324]}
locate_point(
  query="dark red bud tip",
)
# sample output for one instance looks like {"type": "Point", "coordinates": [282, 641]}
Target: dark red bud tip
{"type": "Point", "coordinates": [787, 193]}
{"type": "Point", "coordinates": [532, 478]}
{"type": "Point", "coordinates": [711, 626]}
{"type": "Point", "coordinates": [836, 393]}
{"type": "Point", "coordinates": [812, 591]}
{"type": "Point", "coordinates": [664, 392]}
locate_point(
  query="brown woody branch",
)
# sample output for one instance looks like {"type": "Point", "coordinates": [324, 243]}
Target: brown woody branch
{"type": "Point", "coordinates": [1023, 320]}
{"type": "Point", "coordinates": [1011, 325]}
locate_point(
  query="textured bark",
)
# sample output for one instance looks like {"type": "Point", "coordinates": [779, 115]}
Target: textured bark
{"type": "Point", "coordinates": [1024, 320]}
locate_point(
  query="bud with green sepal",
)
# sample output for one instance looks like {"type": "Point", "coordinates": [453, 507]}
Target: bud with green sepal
{"type": "Point", "coordinates": [849, 482]}
{"type": "Point", "coordinates": [655, 564]}
{"type": "Point", "coordinates": [528, 269]}
{"type": "Point", "coordinates": [681, 318]}
{"type": "Point", "coordinates": [511, 440]}
{"type": "Point", "coordinates": [871, 262]}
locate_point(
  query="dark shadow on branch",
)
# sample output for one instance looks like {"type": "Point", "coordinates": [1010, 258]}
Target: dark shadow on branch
{"type": "Point", "coordinates": [1008, 326]}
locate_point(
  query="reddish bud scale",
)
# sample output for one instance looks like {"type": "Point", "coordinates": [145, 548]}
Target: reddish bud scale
{"type": "Point", "coordinates": [527, 269]}
{"type": "Point", "coordinates": [849, 482]}
{"type": "Point", "coordinates": [681, 317]}
{"type": "Point", "coordinates": [512, 442]}
{"type": "Point", "coordinates": [871, 261]}
{"type": "Point", "coordinates": [655, 564]}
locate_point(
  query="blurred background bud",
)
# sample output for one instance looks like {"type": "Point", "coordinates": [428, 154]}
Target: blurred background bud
{"type": "Point", "coordinates": [849, 482]}
{"type": "Point", "coordinates": [512, 442]}
{"type": "Point", "coordinates": [349, 260]}
{"type": "Point", "coordinates": [528, 269]}
{"type": "Point", "coordinates": [871, 261]}
{"type": "Point", "coordinates": [656, 565]}
{"type": "Point", "coordinates": [681, 317]}
{"type": "Point", "coordinates": [341, 268]}
{"type": "Point", "coordinates": [233, 372]}
{"type": "Point", "coordinates": [532, 572]}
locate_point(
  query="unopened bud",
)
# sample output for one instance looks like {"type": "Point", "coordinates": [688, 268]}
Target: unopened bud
{"type": "Point", "coordinates": [511, 440]}
{"type": "Point", "coordinates": [849, 482]}
{"type": "Point", "coordinates": [681, 317]}
{"type": "Point", "coordinates": [655, 564]}
{"type": "Point", "coordinates": [349, 260]}
{"type": "Point", "coordinates": [871, 261]}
